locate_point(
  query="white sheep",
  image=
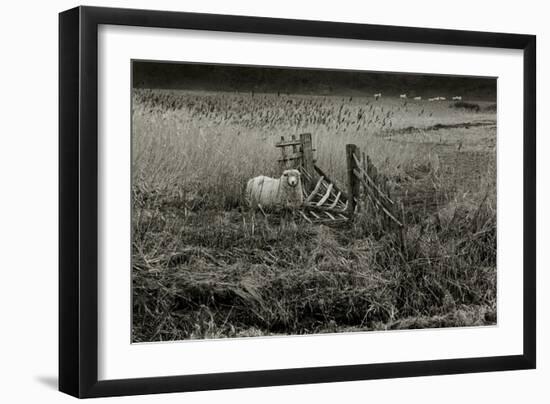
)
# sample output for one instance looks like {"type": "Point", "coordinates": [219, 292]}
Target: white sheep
{"type": "Point", "coordinates": [404, 96]}
{"type": "Point", "coordinates": [442, 98]}
{"type": "Point", "coordinates": [457, 98]}
{"type": "Point", "coordinates": [377, 96]}
{"type": "Point", "coordinates": [272, 192]}
{"type": "Point", "coordinates": [417, 98]}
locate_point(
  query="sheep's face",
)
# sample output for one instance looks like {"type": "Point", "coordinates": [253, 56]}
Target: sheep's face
{"type": "Point", "coordinates": [292, 177]}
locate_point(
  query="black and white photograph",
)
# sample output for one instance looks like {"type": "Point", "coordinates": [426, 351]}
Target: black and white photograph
{"type": "Point", "coordinates": [276, 202]}
{"type": "Point", "coordinates": [279, 201]}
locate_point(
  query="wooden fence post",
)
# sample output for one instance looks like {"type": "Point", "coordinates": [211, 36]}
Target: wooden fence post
{"type": "Point", "coordinates": [283, 161]}
{"type": "Point", "coordinates": [307, 153]}
{"type": "Point", "coordinates": [308, 164]}
{"type": "Point", "coordinates": [353, 181]}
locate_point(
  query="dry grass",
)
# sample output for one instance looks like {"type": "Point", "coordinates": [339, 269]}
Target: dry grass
{"type": "Point", "coordinates": [204, 266]}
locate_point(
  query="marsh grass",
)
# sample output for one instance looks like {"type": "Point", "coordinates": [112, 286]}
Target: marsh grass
{"type": "Point", "coordinates": [205, 266]}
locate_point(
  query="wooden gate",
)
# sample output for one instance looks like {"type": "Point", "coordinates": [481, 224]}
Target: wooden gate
{"type": "Point", "coordinates": [370, 187]}
{"type": "Point", "coordinates": [324, 202]}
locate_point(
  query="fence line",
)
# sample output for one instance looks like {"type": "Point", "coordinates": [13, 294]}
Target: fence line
{"type": "Point", "coordinates": [324, 201]}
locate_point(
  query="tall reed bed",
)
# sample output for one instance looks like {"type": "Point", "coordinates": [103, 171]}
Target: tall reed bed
{"type": "Point", "coordinates": [204, 266]}
{"type": "Point", "coordinates": [213, 154]}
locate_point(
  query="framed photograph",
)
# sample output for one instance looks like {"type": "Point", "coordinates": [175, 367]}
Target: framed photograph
{"type": "Point", "coordinates": [251, 201]}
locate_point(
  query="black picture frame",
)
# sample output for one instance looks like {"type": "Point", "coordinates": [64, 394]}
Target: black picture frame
{"type": "Point", "coordinates": [78, 201]}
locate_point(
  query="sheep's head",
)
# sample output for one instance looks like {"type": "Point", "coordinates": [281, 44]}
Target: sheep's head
{"type": "Point", "coordinates": [291, 178]}
{"type": "Point", "coordinates": [291, 187]}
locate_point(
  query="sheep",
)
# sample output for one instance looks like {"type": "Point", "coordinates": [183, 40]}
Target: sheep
{"type": "Point", "coordinates": [457, 98]}
{"type": "Point", "coordinates": [270, 192]}
{"type": "Point", "coordinates": [417, 98]}
{"type": "Point", "coordinates": [432, 99]}
{"type": "Point", "coordinates": [404, 96]}
{"type": "Point", "coordinates": [442, 98]}
{"type": "Point", "coordinates": [377, 96]}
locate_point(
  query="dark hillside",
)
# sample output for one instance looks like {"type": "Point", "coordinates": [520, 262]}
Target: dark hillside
{"type": "Point", "coordinates": [213, 77]}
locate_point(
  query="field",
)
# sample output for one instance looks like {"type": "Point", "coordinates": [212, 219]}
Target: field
{"type": "Point", "coordinates": [207, 266]}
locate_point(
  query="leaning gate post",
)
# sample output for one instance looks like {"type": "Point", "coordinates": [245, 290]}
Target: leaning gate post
{"type": "Point", "coordinates": [307, 153]}
{"type": "Point", "coordinates": [308, 163]}
{"type": "Point", "coordinates": [353, 182]}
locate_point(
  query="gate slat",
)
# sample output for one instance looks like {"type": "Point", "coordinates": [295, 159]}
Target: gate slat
{"type": "Point", "coordinates": [315, 214]}
{"type": "Point", "coordinates": [327, 194]}
{"type": "Point", "coordinates": [315, 190]}
{"type": "Point", "coordinates": [305, 216]}
{"type": "Point", "coordinates": [333, 204]}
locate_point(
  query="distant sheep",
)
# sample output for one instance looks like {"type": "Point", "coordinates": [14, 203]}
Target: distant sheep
{"type": "Point", "coordinates": [457, 98]}
{"type": "Point", "coordinates": [377, 96]}
{"type": "Point", "coordinates": [433, 99]}
{"type": "Point", "coordinates": [442, 98]}
{"type": "Point", "coordinates": [272, 192]}
{"type": "Point", "coordinates": [417, 98]}
{"type": "Point", "coordinates": [404, 96]}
